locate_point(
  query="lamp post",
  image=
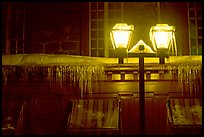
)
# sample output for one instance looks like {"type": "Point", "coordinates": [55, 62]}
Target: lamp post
{"type": "Point", "coordinates": [120, 37]}
{"type": "Point", "coordinates": [163, 40]}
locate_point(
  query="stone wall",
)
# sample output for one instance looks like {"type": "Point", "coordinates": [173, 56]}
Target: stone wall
{"type": "Point", "coordinates": [52, 42]}
{"type": "Point", "coordinates": [55, 28]}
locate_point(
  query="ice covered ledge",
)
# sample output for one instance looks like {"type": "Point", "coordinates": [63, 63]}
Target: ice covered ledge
{"type": "Point", "coordinates": [54, 69]}
{"type": "Point", "coordinates": [63, 59]}
{"type": "Point", "coordinates": [170, 60]}
{"type": "Point", "coordinates": [49, 60]}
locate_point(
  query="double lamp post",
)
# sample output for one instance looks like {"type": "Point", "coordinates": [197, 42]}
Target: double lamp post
{"type": "Point", "coordinates": [164, 45]}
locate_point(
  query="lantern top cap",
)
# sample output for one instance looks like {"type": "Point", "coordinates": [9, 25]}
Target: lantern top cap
{"type": "Point", "coordinates": [123, 26]}
{"type": "Point", "coordinates": [165, 27]}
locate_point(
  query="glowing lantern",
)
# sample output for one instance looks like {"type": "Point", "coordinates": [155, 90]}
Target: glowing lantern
{"type": "Point", "coordinates": [163, 39]}
{"type": "Point", "coordinates": [121, 34]}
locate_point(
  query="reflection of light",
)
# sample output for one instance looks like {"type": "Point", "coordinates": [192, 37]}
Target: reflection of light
{"type": "Point", "coordinates": [122, 86]}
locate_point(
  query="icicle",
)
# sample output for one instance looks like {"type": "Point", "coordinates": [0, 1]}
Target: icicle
{"type": "Point", "coordinates": [5, 75]}
{"type": "Point", "coordinates": [59, 75]}
{"type": "Point", "coordinates": [8, 73]}
{"type": "Point", "coordinates": [181, 77]}
{"type": "Point", "coordinates": [50, 74]}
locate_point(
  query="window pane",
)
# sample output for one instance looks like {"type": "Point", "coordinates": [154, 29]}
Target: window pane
{"type": "Point", "coordinates": [100, 34]}
{"type": "Point", "coordinates": [193, 51]}
{"type": "Point", "coordinates": [110, 5]}
{"type": "Point", "coordinates": [192, 22]}
{"type": "Point", "coordinates": [93, 34]}
{"type": "Point", "coordinates": [191, 4]}
{"type": "Point", "coordinates": [199, 32]}
{"type": "Point", "coordinates": [20, 51]}
{"type": "Point", "coordinates": [94, 53]}
{"type": "Point", "coordinates": [118, 5]}
{"type": "Point", "coordinates": [14, 30]}
{"type": "Point", "coordinates": [20, 44]}
{"type": "Point", "coordinates": [111, 15]}
{"type": "Point", "coordinates": [118, 15]}
{"type": "Point", "coordinates": [21, 15]}
{"type": "Point", "coordinates": [199, 13]}
{"type": "Point", "coordinates": [93, 5]}
{"type": "Point", "coordinates": [193, 42]}
{"type": "Point", "coordinates": [101, 24]}
{"type": "Point", "coordinates": [101, 15]}
{"type": "Point", "coordinates": [199, 4]}
{"type": "Point", "coordinates": [94, 15]}
{"type": "Point", "coordinates": [199, 22]}
{"type": "Point", "coordinates": [13, 51]}
{"type": "Point", "coordinates": [100, 5]}
{"type": "Point", "coordinates": [191, 13]}
{"type": "Point", "coordinates": [13, 45]}
{"type": "Point", "coordinates": [199, 50]}
{"type": "Point", "coordinates": [14, 12]}
{"type": "Point", "coordinates": [93, 24]}
{"type": "Point", "coordinates": [101, 52]}
{"type": "Point", "coordinates": [100, 44]}
{"type": "Point", "coordinates": [193, 31]}
{"type": "Point", "coordinates": [200, 42]}
{"type": "Point", "coordinates": [93, 44]}
{"type": "Point", "coordinates": [20, 30]}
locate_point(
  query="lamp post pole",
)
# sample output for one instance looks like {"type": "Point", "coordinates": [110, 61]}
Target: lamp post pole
{"type": "Point", "coordinates": [141, 95]}
{"type": "Point", "coordinates": [141, 88]}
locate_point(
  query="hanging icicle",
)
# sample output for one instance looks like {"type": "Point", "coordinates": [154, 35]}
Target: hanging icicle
{"type": "Point", "coordinates": [188, 75]}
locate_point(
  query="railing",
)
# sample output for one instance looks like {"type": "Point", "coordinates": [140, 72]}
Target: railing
{"type": "Point", "coordinates": [130, 72]}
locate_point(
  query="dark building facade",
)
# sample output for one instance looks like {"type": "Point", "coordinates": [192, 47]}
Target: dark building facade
{"type": "Point", "coordinates": [82, 28]}
{"type": "Point", "coordinates": [41, 97]}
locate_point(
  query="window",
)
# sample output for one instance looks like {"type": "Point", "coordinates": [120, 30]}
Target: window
{"type": "Point", "coordinates": [195, 27]}
{"type": "Point", "coordinates": [13, 28]}
{"type": "Point", "coordinates": [102, 15]}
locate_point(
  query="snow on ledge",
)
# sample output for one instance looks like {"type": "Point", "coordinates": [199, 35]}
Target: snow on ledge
{"type": "Point", "coordinates": [48, 59]}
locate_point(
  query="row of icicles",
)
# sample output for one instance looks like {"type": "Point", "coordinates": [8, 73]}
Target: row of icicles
{"type": "Point", "coordinates": [188, 74]}
{"type": "Point", "coordinates": [83, 76]}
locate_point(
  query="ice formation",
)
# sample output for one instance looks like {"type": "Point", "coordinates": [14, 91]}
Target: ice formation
{"type": "Point", "coordinates": [62, 69]}
{"type": "Point", "coordinates": [48, 59]}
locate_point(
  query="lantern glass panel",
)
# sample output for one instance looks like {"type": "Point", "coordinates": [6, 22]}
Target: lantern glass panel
{"type": "Point", "coordinates": [121, 38]}
{"type": "Point", "coordinates": [162, 39]}
{"type": "Point", "coordinates": [120, 35]}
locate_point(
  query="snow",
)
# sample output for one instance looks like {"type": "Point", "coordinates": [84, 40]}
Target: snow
{"type": "Point", "coordinates": [48, 59]}
{"type": "Point", "coordinates": [185, 59]}
{"type": "Point", "coordinates": [180, 117]}
{"type": "Point", "coordinates": [135, 48]}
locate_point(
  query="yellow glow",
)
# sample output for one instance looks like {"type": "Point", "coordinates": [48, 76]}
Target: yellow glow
{"type": "Point", "coordinates": [121, 34]}
{"type": "Point", "coordinates": [121, 38]}
{"type": "Point", "coordinates": [162, 36]}
{"type": "Point", "coordinates": [162, 39]}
